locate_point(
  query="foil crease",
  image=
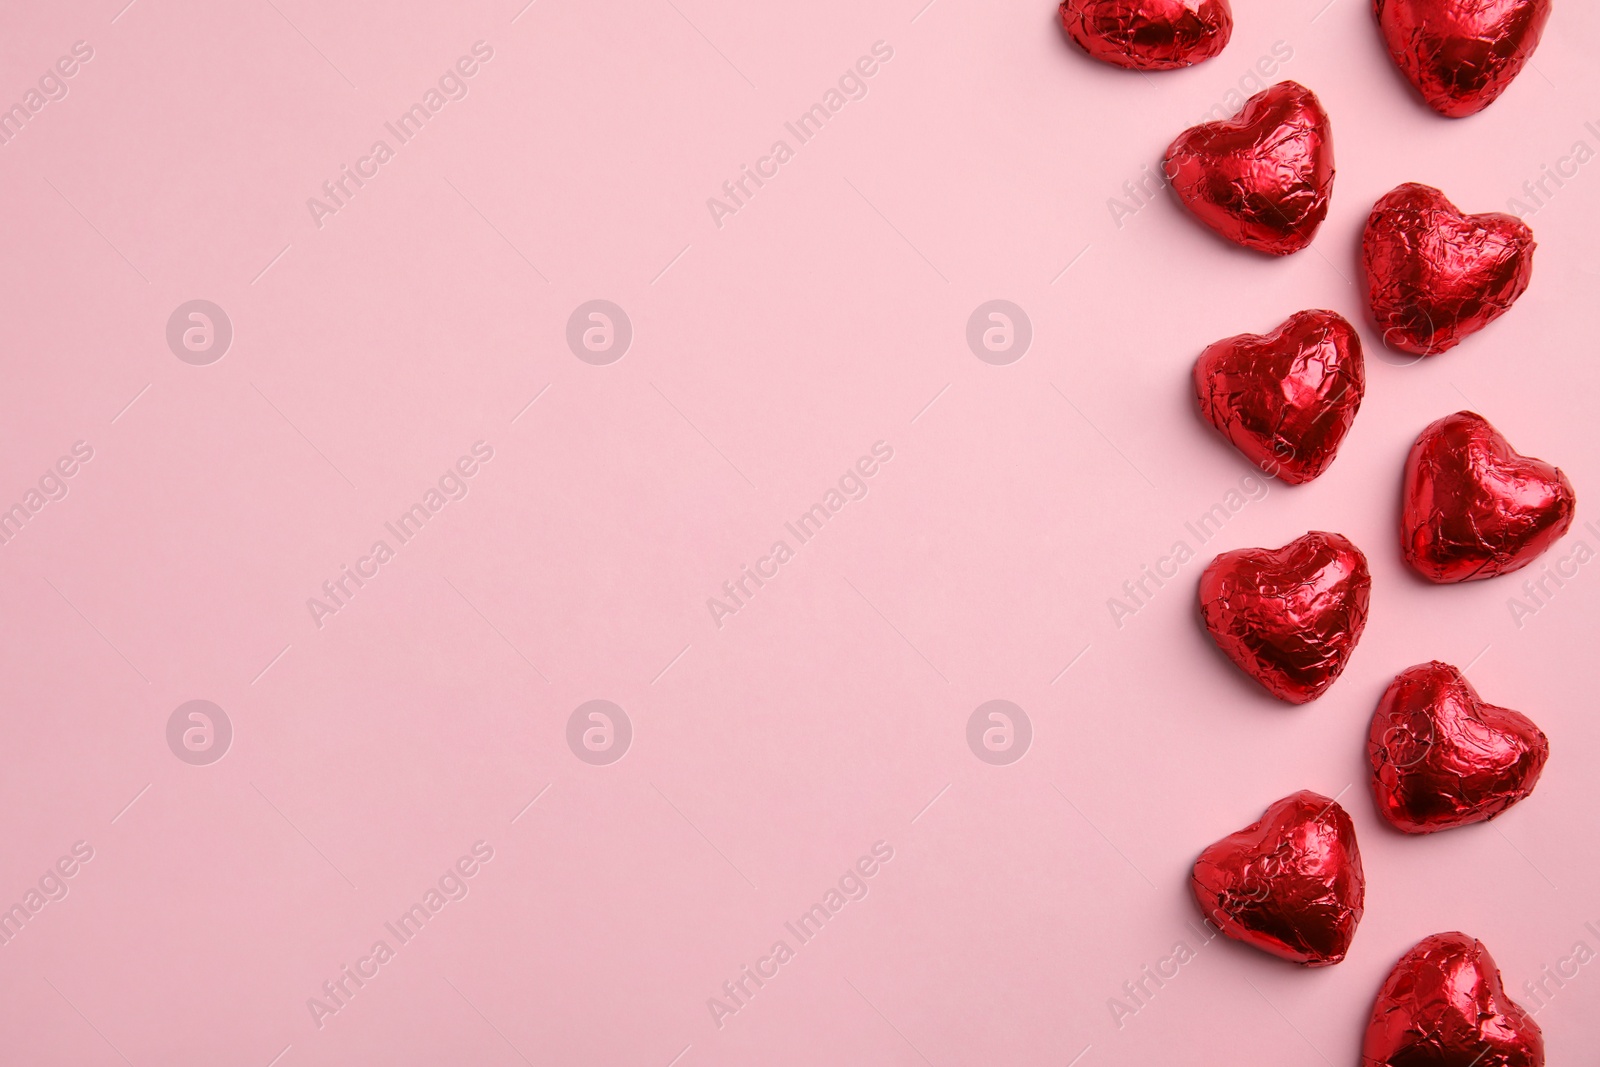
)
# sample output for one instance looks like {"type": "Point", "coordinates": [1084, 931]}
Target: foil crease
{"type": "Point", "coordinates": [1148, 34]}
{"type": "Point", "coordinates": [1444, 1005]}
{"type": "Point", "coordinates": [1285, 399]}
{"type": "Point", "coordinates": [1461, 54]}
{"type": "Point", "coordinates": [1434, 275]}
{"type": "Point", "coordinates": [1290, 884]}
{"type": "Point", "coordinates": [1289, 617]}
{"type": "Point", "coordinates": [1263, 178]}
{"type": "Point", "coordinates": [1441, 757]}
{"type": "Point", "coordinates": [1472, 508]}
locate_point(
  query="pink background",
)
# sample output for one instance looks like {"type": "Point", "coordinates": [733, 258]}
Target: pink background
{"type": "Point", "coordinates": [768, 355]}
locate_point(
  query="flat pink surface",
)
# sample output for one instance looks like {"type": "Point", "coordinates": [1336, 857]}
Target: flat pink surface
{"type": "Point", "coordinates": [376, 342]}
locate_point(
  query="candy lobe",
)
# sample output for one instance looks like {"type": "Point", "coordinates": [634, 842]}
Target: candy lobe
{"type": "Point", "coordinates": [1148, 34]}
{"type": "Point", "coordinates": [1461, 56]}
{"type": "Point", "coordinates": [1434, 275]}
{"type": "Point", "coordinates": [1285, 399]}
{"type": "Point", "coordinates": [1263, 178]}
{"type": "Point", "coordinates": [1472, 508]}
{"type": "Point", "coordinates": [1444, 1005]}
{"type": "Point", "coordinates": [1441, 757]}
{"type": "Point", "coordinates": [1289, 617]}
{"type": "Point", "coordinates": [1290, 884]}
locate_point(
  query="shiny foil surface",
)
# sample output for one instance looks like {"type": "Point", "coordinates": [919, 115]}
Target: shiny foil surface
{"type": "Point", "coordinates": [1289, 617]}
{"type": "Point", "coordinates": [1289, 884]}
{"type": "Point", "coordinates": [1461, 56]}
{"type": "Point", "coordinates": [1148, 34]}
{"type": "Point", "coordinates": [1285, 399]}
{"type": "Point", "coordinates": [1471, 507]}
{"type": "Point", "coordinates": [1442, 757]}
{"type": "Point", "coordinates": [1443, 1005]}
{"type": "Point", "coordinates": [1434, 275]}
{"type": "Point", "coordinates": [1261, 179]}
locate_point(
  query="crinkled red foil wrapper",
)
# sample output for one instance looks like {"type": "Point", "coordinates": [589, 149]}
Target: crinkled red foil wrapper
{"type": "Point", "coordinates": [1461, 56]}
{"type": "Point", "coordinates": [1444, 1005]}
{"type": "Point", "coordinates": [1435, 275]}
{"type": "Point", "coordinates": [1285, 399]}
{"type": "Point", "coordinates": [1289, 617]}
{"type": "Point", "coordinates": [1441, 757]}
{"type": "Point", "coordinates": [1263, 178]}
{"type": "Point", "coordinates": [1148, 34]}
{"type": "Point", "coordinates": [1473, 508]}
{"type": "Point", "coordinates": [1290, 884]}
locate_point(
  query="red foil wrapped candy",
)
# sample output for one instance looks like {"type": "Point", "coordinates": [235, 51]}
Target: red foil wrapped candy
{"type": "Point", "coordinates": [1148, 34]}
{"type": "Point", "coordinates": [1262, 178]}
{"type": "Point", "coordinates": [1289, 617]}
{"type": "Point", "coordinates": [1441, 757]}
{"type": "Point", "coordinates": [1443, 1005]}
{"type": "Point", "coordinates": [1461, 56]}
{"type": "Point", "coordinates": [1289, 884]}
{"type": "Point", "coordinates": [1435, 275]}
{"type": "Point", "coordinates": [1471, 507]}
{"type": "Point", "coordinates": [1285, 399]}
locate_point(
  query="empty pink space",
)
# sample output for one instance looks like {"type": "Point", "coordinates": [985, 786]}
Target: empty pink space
{"type": "Point", "coordinates": [668, 532]}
